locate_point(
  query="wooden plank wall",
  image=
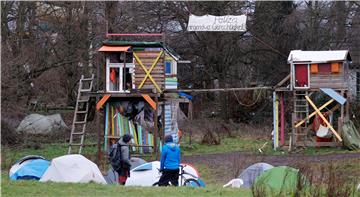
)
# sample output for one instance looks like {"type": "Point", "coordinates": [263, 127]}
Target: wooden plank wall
{"type": "Point", "coordinates": [333, 80]}
{"type": "Point", "coordinates": [148, 58]}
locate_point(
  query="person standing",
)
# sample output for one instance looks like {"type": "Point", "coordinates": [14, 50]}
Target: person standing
{"type": "Point", "coordinates": [169, 163]}
{"type": "Point", "coordinates": [124, 170]}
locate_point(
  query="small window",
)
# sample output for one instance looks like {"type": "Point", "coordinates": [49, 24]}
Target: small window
{"type": "Point", "coordinates": [335, 67]}
{"type": "Point", "coordinates": [324, 68]}
{"type": "Point", "coordinates": [314, 68]}
{"type": "Point", "coordinates": [168, 67]}
{"type": "Point", "coordinates": [120, 57]}
{"type": "Point", "coordinates": [114, 79]}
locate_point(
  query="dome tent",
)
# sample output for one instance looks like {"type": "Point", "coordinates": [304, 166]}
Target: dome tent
{"type": "Point", "coordinates": [29, 167]}
{"type": "Point", "coordinates": [250, 173]}
{"type": "Point", "coordinates": [278, 181]}
{"type": "Point", "coordinates": [73, 168]}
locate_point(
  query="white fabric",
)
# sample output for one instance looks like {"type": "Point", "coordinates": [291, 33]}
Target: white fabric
{"type": "Point", "coordinates": [234, 183]}
{"type": "Point", "coordinates": [73, 168]}
{"type": "Point", "coordinates": [323, 131]}
{"type": "Point", "coordinates": [217, 23]}
{"type": "Point", "coordinates": [149, 177]}
{"type": "Point", "coordinates": [17, 166]}
{"type": "Point", "coordinates": [317, 56]}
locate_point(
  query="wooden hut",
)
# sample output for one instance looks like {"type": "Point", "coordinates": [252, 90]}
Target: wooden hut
{"type": "Point", "coordinates": [314, 75]}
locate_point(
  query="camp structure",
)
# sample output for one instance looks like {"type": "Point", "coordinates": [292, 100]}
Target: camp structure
{"type": "Point", "coordinates": [250, 173]}
{"type": "Point", "coordinates": [278, 181]}
{"type": "Point", "coordinates": [316, 91]}
{"type": "Point", "coordinates": [111, 176]}
{"type": "Point", "coordinates": [147, 174]}
{"type": "Point", "coordinates": [138, 97]}
{"type": "Point", "coordinates": [31, 167]}
{"type": "Point", "coordinates": [73, 168]}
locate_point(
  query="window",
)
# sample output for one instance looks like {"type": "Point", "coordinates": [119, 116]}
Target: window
{"type": "Point", "coordinates": [119, 75]}
{"type": "Point", "coordinates": [168, 67]}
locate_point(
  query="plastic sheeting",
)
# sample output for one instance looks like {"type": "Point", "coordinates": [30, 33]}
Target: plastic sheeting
{"type": "Point", "coordinates": [250, 173]}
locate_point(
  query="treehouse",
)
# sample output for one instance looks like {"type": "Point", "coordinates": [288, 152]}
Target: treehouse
{"type": "Point", "coordinates": [319, 69]}
{"type": "Point", "coordinates": [139, 67]}
{"type": "Point", "coordinates": [137, 98]}
{"type": "Point", "coordinates": [315, 77]}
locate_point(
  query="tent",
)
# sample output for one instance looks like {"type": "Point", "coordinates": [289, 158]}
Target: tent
{"type": "Point", "coordinates": [40, 124]}
{"type": "Point", "coordinates": [350, 136]}
{"type": "Point", "coordinates": [73, 168]}
{"type": "Point", "coordinates": [112, 176]}
{"type": "Point", "coordinates": [29, 167]}
{"type": "Point", "coordinates": [135, 162]}
{"type": "Point", "coordinates": [250, 173]}
{"type": "Point", "coordinates": [277, 181]}
{"type": "Point", "coordinates": [148, 173]}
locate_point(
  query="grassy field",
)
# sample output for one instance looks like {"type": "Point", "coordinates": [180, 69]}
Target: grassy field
{"type": "Point", "coordinates": [34, 188]}
{"type": "Point", "coordinates": [51, 150]}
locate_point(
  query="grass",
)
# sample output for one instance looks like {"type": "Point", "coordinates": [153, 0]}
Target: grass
{"type": "Point", "coordinates": [251, 146]}
{"type": "Point", "coordinates": [34, 188]}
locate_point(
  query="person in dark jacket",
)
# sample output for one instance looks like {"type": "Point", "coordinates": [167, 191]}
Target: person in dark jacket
{"type": "Point", "coordinates": [124, 171]}
{"type": "Point", "coordinates": [169, 163]}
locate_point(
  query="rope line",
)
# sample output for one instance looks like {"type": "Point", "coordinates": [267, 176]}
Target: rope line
{"type": "Point", "coordinates": [247, 105]}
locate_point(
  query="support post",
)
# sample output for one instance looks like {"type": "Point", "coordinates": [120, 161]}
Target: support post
{"type": "Point", "coordinates": [190, 116]}
{"type": "Point", "coordinates": [156, 130]}
{"type": "Point", "coordinates": [282, 120]}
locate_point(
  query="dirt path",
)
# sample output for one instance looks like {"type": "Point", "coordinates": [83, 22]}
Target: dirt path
{"type": "Point", "coordinates": [225, 166]}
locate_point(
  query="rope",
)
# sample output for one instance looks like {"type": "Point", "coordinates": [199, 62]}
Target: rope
{"type": "Point", "coordinates": [248, 105]}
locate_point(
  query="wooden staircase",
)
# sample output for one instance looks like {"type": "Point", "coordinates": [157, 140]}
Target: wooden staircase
{"type": "Point", "coordinates": [78, 128]}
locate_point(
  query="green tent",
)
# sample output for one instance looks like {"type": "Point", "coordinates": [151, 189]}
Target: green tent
{"type": "Point", "coordinates": [277, 181]}
{"type": "Point", "coordinates": [351, 137]}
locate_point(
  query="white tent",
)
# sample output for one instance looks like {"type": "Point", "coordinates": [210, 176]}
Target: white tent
{"type": "Point", "coordinates": [73, 168]}
{"type": "Point", "coordinates": [148, 173]}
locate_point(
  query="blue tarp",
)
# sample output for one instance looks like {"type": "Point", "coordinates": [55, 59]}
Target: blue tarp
{"type": "Point", "coordinates": [31, 170]}
{"type": "Point", "coordinates": [188, 96]}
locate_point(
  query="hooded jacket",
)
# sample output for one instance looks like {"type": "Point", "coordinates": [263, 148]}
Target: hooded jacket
{"type": "Point", "coordinates": [170, 157]}
{"type": "Point", "coordinates": [125, 152]}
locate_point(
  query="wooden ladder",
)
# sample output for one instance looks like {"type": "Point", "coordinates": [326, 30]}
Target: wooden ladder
{"type": "Point", "coordinates": [78, 128]}
{"type": "Point", "coordinates": [301, 110]}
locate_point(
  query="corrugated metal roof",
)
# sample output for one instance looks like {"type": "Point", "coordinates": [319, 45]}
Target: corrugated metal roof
{"type": "Point", "coordinates": [299, 56]}
{"type": "Point", "coordinates": [333, 94]}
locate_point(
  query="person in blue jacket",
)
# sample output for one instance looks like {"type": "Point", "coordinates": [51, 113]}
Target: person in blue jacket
{"type": "Point", "coordinates": [169, 163]}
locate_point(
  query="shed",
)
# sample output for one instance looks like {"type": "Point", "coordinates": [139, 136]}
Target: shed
{"type": "Point", "coordinates": [319, 69]}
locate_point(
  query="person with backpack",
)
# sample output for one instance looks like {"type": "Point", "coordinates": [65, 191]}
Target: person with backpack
{"type": "Point", "coordinates": [169, 163]}
{"type": "Point", "coordinates": [120, 158]}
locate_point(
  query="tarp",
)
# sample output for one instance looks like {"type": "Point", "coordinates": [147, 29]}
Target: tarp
{"type": "Point", "coordinates": [40, 124]}
{"type": "Point", "coordinates": [350, 135]}
{"type": "Point", "coordinates": [73, 168]}
{"type": "Point", "coordinates": [147, 174]}
{"type": "Point", "coordinates": [30, 168]}
{"type": "Point", "coordinates": [250, 173]}
{"type": "Point", "coordinates": [277, 181]}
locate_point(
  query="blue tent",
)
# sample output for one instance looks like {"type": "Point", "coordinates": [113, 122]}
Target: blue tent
{"type": "Point", "coordinates": [33, 169]}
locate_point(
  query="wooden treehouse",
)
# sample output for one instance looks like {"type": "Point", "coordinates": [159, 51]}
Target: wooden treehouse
{"type": "Point", "coordinates": [139, 94]}
{"type": "Point", "coordinates": [318, 86]}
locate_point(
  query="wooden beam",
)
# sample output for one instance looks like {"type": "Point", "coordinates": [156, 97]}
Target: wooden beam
{"type": "Point", "coordinates": [221, 89]}
{"type": "Point", "coordinates": [282, 81]}
{"type": "Point", "coordinates": [313, 114]}
{"type": "Point", "coordinates": [323, 118]}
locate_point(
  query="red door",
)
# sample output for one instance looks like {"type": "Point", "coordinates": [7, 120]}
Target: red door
{"type": "Point", "coordinates": [301, 75]}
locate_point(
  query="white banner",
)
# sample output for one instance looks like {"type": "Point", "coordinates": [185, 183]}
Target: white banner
{"type": "Point", "coordinates": [217, 23]}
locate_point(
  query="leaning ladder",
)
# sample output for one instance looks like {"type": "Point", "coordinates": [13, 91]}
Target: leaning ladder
{"type": "Point", "coordinates": [301, 110]}
{"type": "Point", "coordinates": [78, 128]}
